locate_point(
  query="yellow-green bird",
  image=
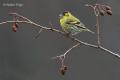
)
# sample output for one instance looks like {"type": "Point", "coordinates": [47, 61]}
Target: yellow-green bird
{"type": "Point", "coordinates": [72, 25]}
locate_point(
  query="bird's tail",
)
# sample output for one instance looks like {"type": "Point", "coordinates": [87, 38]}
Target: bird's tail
{"type": "Point", "coordinates": [90, 31]}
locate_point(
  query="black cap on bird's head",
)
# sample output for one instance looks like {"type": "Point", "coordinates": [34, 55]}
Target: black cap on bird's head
{"type": "Point", "coordinates": [63, 14]}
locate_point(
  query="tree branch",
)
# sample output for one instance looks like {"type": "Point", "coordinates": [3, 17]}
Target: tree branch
{"type": "Point", "coordinates": [62, 56]}
{"type": "Point", "coordinates": [74, 39]}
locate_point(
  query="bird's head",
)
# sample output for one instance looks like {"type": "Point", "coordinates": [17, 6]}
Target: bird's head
{"type": "Point", "coordinates": [65, 13]}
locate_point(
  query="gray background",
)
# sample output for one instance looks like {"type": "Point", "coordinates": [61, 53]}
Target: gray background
{"type": "Point", "coordinates": [24, 58]}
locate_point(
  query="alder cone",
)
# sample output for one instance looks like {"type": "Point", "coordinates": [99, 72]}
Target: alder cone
{"type": "Point", "coordinates": [62, 71]}
{"type": "Point", "coordinates": [109, 12]}
{"type": "Point", "coordinates": [107, 7]}
{"type": "Point", "coordinates": [65, 67]}
{"type": "Point", "coordinates": [14, 27]}
{"type": "Point", "coordinates": [16, 24]}
{"type": "Point", "coordinates": [102, 12]}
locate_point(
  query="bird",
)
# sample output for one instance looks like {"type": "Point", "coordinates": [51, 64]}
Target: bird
{"type": "Point", "coordinates": [71, 25]}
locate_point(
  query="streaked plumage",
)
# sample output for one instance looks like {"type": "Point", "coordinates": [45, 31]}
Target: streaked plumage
{"type": "Point", "coordinates": [70, 24]}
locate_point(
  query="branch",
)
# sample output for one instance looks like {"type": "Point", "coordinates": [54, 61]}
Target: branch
{"type": "Point", "coordinates": [74, 39]}
{"type": "Point", "coordinates": [100, 10]}
{"type": "Point", "coordinates": [114, 54]}
{"type": "Point", "coordinates": [98, 30]}
{"type": "Point", "coordinates": [20, 16]}
{"type": "Point", "coordinates": [39, 33]}
{"type": "Point", "coordinates": [96, 8]}
{"type": "Point", "coordinates": [62, 56]}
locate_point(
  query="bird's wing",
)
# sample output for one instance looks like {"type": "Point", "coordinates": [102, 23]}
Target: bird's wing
{"type": "Point", "coordinates": [81, 25]}
{"type": "Point", "coordinates": [76, 23]}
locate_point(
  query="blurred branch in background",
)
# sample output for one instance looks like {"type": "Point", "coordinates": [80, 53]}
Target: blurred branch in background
{"type": "Point", "coordinates": [99, 10]}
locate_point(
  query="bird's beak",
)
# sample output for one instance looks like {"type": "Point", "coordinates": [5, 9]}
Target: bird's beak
{"type": "Point", "coordinates": [60, 15]}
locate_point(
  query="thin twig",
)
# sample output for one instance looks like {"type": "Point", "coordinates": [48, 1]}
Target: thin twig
{"type": "Point", "coordinates": [39, 33]}
{"type": "Point", "coordinates": [96, 12]}
{"type": "Point", "coordinates": [114, 54]}
{"type": "Point", "coordinates": [18, 15]}
{"type": "Point", "coordinates": [98, 30]}
{"type": "Point", "coordinates": [71, 48]}
{"type": "Point", "coordinates": [62, 56]}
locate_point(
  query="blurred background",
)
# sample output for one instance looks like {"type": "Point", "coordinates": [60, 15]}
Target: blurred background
{"type": "Point", "coordinates": [24, 58]}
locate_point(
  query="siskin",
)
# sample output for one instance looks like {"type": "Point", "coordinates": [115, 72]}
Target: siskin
{"type": "Point", "coordinates": [71, 25]}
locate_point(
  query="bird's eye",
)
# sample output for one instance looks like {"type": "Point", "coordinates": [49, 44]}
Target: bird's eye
{"type": "Point", "coordinates": [65, 13]}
